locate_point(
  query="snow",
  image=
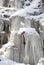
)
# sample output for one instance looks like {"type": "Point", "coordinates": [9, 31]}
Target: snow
{"type": "Point", "coordinates": [41, 21]}
{"type": "Point", "coordinates": [5, 61]}
{"type": "Point", "coordinates": [29, 9]}
{"type": "Point", "coordinates": [22, 23]}
{"type": "Point", "coordinates": [35, 3]}
{"type": "Point", "coordinates": [8, 45]}
{"type": "Point", "coordinates": [21, 30]}
{"type": "Point", "coordinates": [26, 12]}
{"type": "Point", "coordinates": [42, 59]}
{"type": "Point", "coordinates": [26, 3]}
{"type": "Point", "coordinates": [27, 30]}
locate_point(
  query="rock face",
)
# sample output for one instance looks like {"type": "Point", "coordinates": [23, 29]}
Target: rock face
{"type": "Point", "coordinates": [18, 4]}
{"type": "Point", "coordinates": [1, 25]}
{"type": "Point", "coordinates": [5, 3]}
{"type": "Point", "coordinates": [35, 24]}
{"type": "Point", "coordinates": [0, 2]}
{"type": "Point", "coordinates": [15, 3]}
{"type": "Point", "coordinates": [12, 3]}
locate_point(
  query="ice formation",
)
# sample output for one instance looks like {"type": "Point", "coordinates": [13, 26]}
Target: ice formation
{"type": "Point", "coordinates": [23, 32]}
{"type": "Point", "coordinates": [41, 61]}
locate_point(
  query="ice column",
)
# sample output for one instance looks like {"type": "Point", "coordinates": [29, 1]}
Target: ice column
{"type": "Point", "coordinates": [33, 50]}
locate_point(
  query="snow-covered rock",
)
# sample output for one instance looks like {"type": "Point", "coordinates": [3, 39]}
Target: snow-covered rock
{"type": "Point", "coordinates": [41, 61]}
{"type": "Point", "coordinates": [29, 9]}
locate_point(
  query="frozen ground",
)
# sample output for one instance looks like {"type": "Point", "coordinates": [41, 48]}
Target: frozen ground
{"type": "Point", "coordinates": [5, 61]}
